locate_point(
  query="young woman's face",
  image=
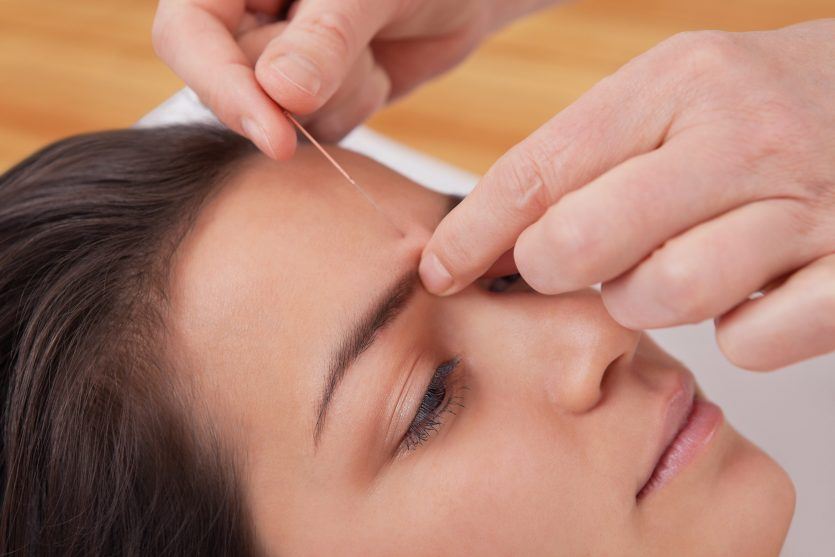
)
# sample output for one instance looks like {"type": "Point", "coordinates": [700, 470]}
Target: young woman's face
{"type": "Point", "coordinates": [486, 423]}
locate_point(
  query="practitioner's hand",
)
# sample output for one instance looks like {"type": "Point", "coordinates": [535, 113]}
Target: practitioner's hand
{"type": "Point", "coordinates": [339, 59]}
{"type": "Point", "coordinates": [700, 173]}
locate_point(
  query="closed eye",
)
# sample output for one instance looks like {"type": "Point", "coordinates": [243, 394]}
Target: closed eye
{"type": "Point", "coordinates": [501, 284]}
{"type": "Point", "coordinates": [436, 403]}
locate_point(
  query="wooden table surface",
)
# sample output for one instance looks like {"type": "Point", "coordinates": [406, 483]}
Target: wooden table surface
{"type": "Point", "coordinates": [68, 67]}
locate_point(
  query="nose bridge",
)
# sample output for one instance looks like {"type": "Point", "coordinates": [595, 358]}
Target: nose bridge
{"type": "Point", "coordinates": [559, 347]}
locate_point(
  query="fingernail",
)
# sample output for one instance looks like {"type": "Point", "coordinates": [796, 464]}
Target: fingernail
{"type": "Point", "coordinates": [299, 71]}
{"type": "Point", "coordinates": [257, 135]}
{"type": "Point", "coordinates": [435, 277]}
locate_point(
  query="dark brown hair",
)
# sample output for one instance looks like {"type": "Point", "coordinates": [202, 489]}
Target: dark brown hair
{"type": "Point", "coordinates": [101, 454]}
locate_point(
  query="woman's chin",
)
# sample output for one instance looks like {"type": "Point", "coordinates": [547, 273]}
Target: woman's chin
{"type": "Point", "coordinates": [761, 497]}
{"type": "Point", "coordinates": [734, 491]}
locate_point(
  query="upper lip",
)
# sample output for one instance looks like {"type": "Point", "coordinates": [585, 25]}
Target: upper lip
{"type": "Point", "coordinates": [676, 408]}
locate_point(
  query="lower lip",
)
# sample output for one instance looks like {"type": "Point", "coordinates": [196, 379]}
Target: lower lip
{"type": "Point", "coordinates": [702, 423]}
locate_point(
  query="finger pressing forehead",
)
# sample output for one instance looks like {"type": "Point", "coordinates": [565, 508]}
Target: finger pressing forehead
{"type": "Point", "coordinates": [618, 119]}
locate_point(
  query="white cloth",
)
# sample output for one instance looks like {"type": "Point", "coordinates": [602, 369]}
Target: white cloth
{"type": "Point", "coordinates": [185, 107]}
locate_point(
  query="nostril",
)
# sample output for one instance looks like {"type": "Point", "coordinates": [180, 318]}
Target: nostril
{"type": "Point", "coordinates": [619, 362]}
{"type": "Point", "coordinates": [585, 386]}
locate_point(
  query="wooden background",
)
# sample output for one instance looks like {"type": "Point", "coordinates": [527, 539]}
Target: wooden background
{"type": "Point", "coordinates": [72, 66]}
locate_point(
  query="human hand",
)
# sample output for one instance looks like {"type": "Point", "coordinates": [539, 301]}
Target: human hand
{"type": "Point", "coordinates": [698, 174]}
{"type": "Point", "coordinates": [339, 59]}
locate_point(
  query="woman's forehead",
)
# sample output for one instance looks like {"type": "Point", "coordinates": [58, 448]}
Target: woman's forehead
{"type": "Point", "coordinates": [276, 263]}
{"type": "Point", "coordinates": [309, 193]}
{"type": "Point", "coordinates": [297, 235]}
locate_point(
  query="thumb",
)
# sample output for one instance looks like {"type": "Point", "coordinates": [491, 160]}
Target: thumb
{"type": "Point", "coordinates": [304, 66]}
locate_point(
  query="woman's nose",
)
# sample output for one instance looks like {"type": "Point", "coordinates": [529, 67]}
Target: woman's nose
{"type": "Point", "coordinates": [592, 348]}
{"type": "Point", "coordinates": [559, 347]}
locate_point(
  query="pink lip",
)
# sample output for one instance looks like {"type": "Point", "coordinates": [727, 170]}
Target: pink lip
{"type": "Point", "coordinates": [689, 425]}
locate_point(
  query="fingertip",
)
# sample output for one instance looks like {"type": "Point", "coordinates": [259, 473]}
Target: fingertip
{"type": "Point", "coordinates": [435, 276]}
{"type": "Point", "coordinates": [258, 135]}
{"type": "Point", "coordinates": [743, 355]}
{"type": "Point", "coordinates": [621, 307]}
{"type": "Point", "coordinates": [298, 70]}
{"type": "Point", "coordinates": [286, 150]}
{"type": "Point", "coordinates": [287, 140]}
{"type": "Point", "coordinates": [276, 141]}
{"type": "Point", "coordinates": [467, 241]}
{"type": "Point", "coordinates": [744, 341]}
{"type": "Point", "coordinates": [537, 265]}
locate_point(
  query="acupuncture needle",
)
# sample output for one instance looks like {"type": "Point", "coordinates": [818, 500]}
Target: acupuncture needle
{"type": "Point", "coordinates": [342, 171]}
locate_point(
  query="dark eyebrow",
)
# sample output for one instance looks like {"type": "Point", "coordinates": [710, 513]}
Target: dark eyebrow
{"type": "Point", "coordinates": [364, 333]}
{"type": "Point", "coordinates": [360, 339]}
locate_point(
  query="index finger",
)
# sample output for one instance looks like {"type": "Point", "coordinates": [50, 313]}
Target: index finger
{"type": "Point", "coordinates": [614, 121]}
{"type": "Point", "coordinates": [195, 38]}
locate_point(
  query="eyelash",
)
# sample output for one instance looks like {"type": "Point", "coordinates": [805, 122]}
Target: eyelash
{"type": "Point", "coordinates": [500, 284]}
{"type": "Point", "coordinates": [433, 407]}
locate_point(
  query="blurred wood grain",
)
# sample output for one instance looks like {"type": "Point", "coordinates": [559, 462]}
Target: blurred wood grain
{"type": "Point", "coordinates": [68, 67]}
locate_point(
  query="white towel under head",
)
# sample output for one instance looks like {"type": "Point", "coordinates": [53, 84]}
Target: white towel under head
{"type": "Point", "coordinates": [185, 107]}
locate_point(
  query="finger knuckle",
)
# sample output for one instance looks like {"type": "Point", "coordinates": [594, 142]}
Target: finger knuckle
{"type": "Point", "coordinates": [741, 350]}
{"type": "Point", "coordinates": [679, 288]}
{"type": "Point", "coordinates": [376, 92]}
{"type": "Point", "coordinates": [786, 145]}
{"type": "Point", "coordinates": [161, 37]}
{"type": "Point", "coordinates": [774, 135]}
{"type": "Point", "coordinates": [618, 304]}
{"type": "Point", "coordinates": [818, 189]}
{"type": "Point", "coordinates": [808, 224]}
{"type": "Point", "coordinates": [701, 53]}
{"type": "Point", "coordinates": [333, 30]}
{"type": "Point", "coordinates": [525, 186]}
{"type": "Point", "coordinates": [574, 245]}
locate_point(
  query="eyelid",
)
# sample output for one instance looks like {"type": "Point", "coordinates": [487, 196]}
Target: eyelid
{"type": "Point", "coordinates": [437, 416]}
{"type": "Point", "coordinates": [402, 409]}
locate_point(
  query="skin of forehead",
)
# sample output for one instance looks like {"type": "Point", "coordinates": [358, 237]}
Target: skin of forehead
{"type": "Point", "coordinates": [275, 264]}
